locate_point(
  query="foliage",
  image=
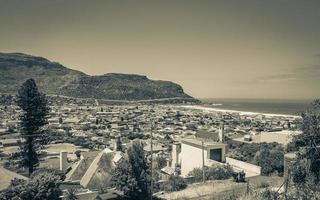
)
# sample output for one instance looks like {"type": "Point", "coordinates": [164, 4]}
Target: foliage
{"type": "Point", "coordinates": [119, 144]}
{"type": "Point", "coordinates": [123, 178]}
{"type": "Point", "coordinates": [79, 141]}
{"type": "Point", "coordinates": [269, 156]}
{"type": "Point", "coordinates": [42, 185]}
{"type": "Point", "coordinates": [270, 160]}
{"type": "Point", "coordinates": [78, 154]}
{"type": "Point", "coordinates": [132, 175]}
{"type": "Point", "coordinates": [215, 172]}
{"type": "Point", "coordinates": [239, 176]}
{"type": "Point", "coordinates": [262, 195]}
{"type": "Point", "coordinates": [263, 185]}
{"type": "Point", "coordinates": [33, 118]}
{"type": "Point", "coordinates": [52, 76]}
{"type": "Point", "coordinates": [175, 183]}
{"type": "Point", "coordinates": [71, 195]}
{"type": "Point", "coordinates": [291, 147]}
{"type": "Point", "coordinates": [246, 152]}
{"type": "Point", "coordinates": [141, 136]}
{"type": "Point", "coordinates": [54, 172]}
{"type": "Point", "coordinates": [11, 129]}
{"type": "Point", "coordinates": [269, 194]}
{"type": "Point", "coordinates": [197, 174]}
{"type": "Point", "coordinates": [161, 162]}
{"type": "Point", "coordinates": [306, 170]}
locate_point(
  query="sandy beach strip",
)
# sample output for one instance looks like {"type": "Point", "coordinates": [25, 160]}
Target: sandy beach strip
{"type": "Point", "coordinates": [208, 109]}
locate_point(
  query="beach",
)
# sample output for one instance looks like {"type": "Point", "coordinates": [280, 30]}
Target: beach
{"type": "Point", "coordinates": [207, 109]}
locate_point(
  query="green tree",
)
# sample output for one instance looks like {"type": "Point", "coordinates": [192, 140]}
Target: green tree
{"type": "Point", "coordinates": [270, 160]}
{"type": "Point", "coordinates": [119, 144]}
{"type": "Point", "coordinates": [33, 119]}
{"type": "Point", "coordinates": [43, 185]}
{"type": "Point", "coordinates": [160, 163]}
{"type": "Point", "coordinates": [132, 175]}
{"type": "Point", "coordinates": [306, 170]}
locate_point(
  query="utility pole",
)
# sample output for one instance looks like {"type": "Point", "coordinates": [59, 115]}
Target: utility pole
{"type": "Point", "coordinates": [286, 185]}
{"type": "Point", "coordinates": [203, 172]}
{"type": "Point", "coordinates": [151, 188]}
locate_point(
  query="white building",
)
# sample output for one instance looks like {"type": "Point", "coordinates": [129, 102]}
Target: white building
{"type": "Point", "coordinates": [193, 151]}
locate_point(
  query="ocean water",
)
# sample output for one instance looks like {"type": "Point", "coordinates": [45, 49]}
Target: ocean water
{"type": "Point", "coordinates": [272, 106]}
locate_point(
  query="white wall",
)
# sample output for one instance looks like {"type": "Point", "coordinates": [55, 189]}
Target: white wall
{"type": "Point", "coordinates": [63, 160]}
{"type": "Point", "coordinates": [250, 169]}
{"type": "Point", "coordinates": [191, 157]}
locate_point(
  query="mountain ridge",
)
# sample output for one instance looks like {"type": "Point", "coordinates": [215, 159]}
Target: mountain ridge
{"type": "Point", "coordinates": [55, 79]}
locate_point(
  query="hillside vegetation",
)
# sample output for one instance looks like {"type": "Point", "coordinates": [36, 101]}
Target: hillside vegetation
{"type": "Point", "coordinates": [56, 79]}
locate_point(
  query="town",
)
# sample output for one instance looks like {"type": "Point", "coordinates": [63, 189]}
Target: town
{"type": "Point", "coordinates": [87, 139]}
{"type": "Point", "coordinates": [159, 100]}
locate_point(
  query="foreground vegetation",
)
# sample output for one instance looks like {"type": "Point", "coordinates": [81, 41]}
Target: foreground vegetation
{"type": "Point", "coordinates": [42, 185]}
{"type": "Point", "coordinates": [269, 156]}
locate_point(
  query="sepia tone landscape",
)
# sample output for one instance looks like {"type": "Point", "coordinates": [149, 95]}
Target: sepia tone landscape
{"type": "Point", "coordinates": [173, 100]}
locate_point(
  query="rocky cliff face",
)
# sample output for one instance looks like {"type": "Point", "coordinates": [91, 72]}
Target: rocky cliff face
{"type": "Point", "coordinates": [53, 78]}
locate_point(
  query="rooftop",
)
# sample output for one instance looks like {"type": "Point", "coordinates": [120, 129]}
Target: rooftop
{"type": "Point", "coordinates": [198, 143]}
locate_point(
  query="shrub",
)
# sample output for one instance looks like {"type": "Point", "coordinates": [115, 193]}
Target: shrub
{"type": "Point", "coordinates": [263, 185]}
{"type": "Point", "coordinates": [270, 160]}
{"type": "Point", "coordinates": [175, 183]}
{"type": "Point", "coordinates": [197, 173]}
{"type": "Point", "coordinates": [215, 172]}
{"type": "Point", "coordinates": [42, 185]}
{"type": "Point", "coordinates": [220, 172]}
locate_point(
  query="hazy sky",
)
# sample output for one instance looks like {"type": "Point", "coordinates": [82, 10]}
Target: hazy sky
{"type": "Point", "coordinates": [217, 48]}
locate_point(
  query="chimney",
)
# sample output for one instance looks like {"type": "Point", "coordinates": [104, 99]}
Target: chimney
{"type": "Point", "coordinates": [63, 161]}
{"type": "Point", "coordinates": [221, 132]}
{"type": "Point", "coordinates": [176, 149]}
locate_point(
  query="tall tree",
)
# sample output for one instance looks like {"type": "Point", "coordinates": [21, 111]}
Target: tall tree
{"type": "Point", "coordinates": [119, 144]}
{"type": "Point", "coordinates": [132, 175]}
{"type": "Point", "coordinates": [306, 171]}
{"type": "Point", "coordinates": [33, 119]}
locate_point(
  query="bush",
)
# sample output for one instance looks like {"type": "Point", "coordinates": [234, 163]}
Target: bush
{"type": "Point", "coordinates": [197, 173]}
{"type": "Point", "coordinates": [42, 185]}
{"type": "Point", "coordinates": [215, 172]}
{"type": "Point", "coordinates": [269, 156]}
{"type": "Point", "coordinates": [263, 185]}
{"type": "Point", "coordinates": [239, 177]}
{"type": "Point", "coordinates": [175, 183]}
{"type": "Point", "coordinates": [270, 160]}
{"type": "Point", "coordinates": [220, 172]}
{"type": "Point", "coordinates": [262, 195]}
{"type": "Point", "coordinates": [247, 152]}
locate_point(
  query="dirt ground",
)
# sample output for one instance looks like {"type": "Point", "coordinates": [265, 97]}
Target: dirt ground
{"type": "Point", "coordinates": [218, 189]}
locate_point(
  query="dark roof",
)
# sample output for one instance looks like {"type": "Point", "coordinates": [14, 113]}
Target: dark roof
{"type": "Point", "coordinates": [214, 136]}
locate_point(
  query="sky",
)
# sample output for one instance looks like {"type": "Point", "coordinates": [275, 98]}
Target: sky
{"type": "Point", "coordinates": [213, 49]}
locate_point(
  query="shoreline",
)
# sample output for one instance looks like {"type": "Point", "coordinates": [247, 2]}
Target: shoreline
{"type": "Point", "coordinates": [203, 108]}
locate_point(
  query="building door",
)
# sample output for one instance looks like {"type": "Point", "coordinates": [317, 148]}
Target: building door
{"type": "Point", "coordinates": [216, 154]}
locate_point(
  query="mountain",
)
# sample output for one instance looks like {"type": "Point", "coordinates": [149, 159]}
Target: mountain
{"type": "Point", "coordinates": [55, 79]}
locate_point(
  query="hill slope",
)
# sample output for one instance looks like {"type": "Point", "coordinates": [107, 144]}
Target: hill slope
{"type": "Point", "coordinates": [53, 78]}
